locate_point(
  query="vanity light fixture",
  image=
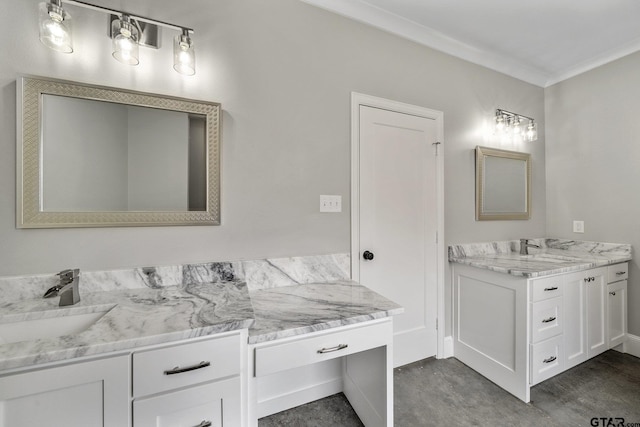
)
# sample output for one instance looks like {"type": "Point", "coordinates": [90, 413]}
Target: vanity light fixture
{"type": "Point", "coordinates": [125, 40]}
{"type": "Point", "coordinates": [509, 125]}
{"type": "Point", "coordinates": [184, 57]}
{"type": "Point", "coordinates": [127, 31]}
{"type": "Point", "coordinates": [55, 26]}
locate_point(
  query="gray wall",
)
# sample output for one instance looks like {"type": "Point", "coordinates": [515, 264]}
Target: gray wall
{"type": "Point", "coordinates": [593, 153]}
{"type": "Point", "coordinates": [283, 71]}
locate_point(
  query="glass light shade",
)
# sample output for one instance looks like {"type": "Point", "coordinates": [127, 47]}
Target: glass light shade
{"type": "Point", "coordinates": [184, 55]}
{"type": "Point", "coordinates": [517, 129]}
{"type": "Point", "coordinates": [125, 41]}
{"type": "Point", "coordinates": [532, 131]}
{"type": "Point", "coordinates": [55, 27]}
{"type": "Point", "coordinates": [499, 123]}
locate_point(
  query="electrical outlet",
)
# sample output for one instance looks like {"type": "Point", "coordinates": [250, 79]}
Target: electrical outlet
{"type": "Point", "coordinates": [578, 226]}
{"type": "Point", "coordinates": [330, 203]}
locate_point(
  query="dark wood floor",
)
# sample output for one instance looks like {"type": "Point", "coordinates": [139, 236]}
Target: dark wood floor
{"type": "Point", "coordinates": [447, 393]}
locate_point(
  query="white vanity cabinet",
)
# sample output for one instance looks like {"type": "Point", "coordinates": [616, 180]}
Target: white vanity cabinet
{"type": "Point", "coordinates": [81, 394]}
{"type": "Point", "coordinates": [518, 332]}
{"type": "Point", "coordinates": [199, 382]}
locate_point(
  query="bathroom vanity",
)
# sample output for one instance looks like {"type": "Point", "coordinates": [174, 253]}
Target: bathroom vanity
{"type": "Point", "coordinates": [521, 319]}
{"type": "Point", "coordinates": [170, 356]}
{"type": "Point", "coordinates": [195, 355]}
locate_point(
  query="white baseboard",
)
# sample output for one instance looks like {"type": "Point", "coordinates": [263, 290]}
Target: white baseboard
{"type": "Point", "coordinates": [299, 397]}
{"type": "Point", "coordinates": [447, 351]}
{"type": "Point", "coordinates": [632, 345]}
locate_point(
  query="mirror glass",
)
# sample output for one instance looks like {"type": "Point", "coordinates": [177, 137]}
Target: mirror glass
{"type": "Point", "coordinates": [502, 184]}
{"type": "Point", "coordinates": [96, 156]}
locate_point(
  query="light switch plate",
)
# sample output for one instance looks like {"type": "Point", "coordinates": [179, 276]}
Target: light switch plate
{"type": "Point", "coordinates": [578, 226]}
{"type": "Point", "coordinates": [330, 203]}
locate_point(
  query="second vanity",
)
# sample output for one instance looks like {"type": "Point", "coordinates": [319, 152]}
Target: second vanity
{"type": "Point", "coordinates": [521, 319]}
{"type": "Point", "coordinates": [205, 354]}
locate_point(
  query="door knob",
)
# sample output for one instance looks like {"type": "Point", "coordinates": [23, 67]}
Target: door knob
{"type": "Point", "coordinates": [367, 255]}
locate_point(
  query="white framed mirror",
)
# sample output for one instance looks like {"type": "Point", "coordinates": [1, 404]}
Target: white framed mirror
{"type": "Point", "coordinates": [503, 184]}
{"type": "Point", "coordinates": [91, 156]}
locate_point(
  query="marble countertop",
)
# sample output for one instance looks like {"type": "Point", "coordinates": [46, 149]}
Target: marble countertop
{"type": "Point", "coordinates": [134, 318]}
{"type": "Point", "coordinates": [293, 310]}
{"type": "Point", "coordinates": [555, 256]}
{"type": "Point", "coordinates": [146, 316]}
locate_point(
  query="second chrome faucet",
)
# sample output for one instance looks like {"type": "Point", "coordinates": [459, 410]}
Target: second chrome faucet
{"type": "Point", "coordinates": [525, 245]}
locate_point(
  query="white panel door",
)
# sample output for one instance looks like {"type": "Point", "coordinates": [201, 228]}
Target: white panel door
{"type": "Point", "coordinates": [398, 223]}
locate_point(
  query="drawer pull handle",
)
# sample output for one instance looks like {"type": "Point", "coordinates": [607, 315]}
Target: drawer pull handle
{"type": "Point", "coordinates": [554, 288]}
{"type": "Point", "coordinates": [612, 293]}
{"type": "Point", "coordinates": [179, 370]}
{"type": "Point", "coordinates": [332, 349]}
{"type": "Point", "coordinates": [549, 319]}
{"type": "Point", "coordinates": [549, 360]}
{"type": "Point", "coordinates": [204, 423]}
{"type": "Point", "coordinates": [620, 273]}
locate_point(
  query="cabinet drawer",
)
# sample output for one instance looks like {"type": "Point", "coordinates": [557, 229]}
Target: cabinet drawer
{"type": "Point", "coordinates": [545, 288]}
{"type": "Point", "coordinates": [194, 406]}
{"type": "Point", "coordinates": [546, 319]}
{"type": "Point", "coordinates": [304, 351]}
{"type": "Point", "coordinates": [166, 368]}
{"type": "Point", "coordinates": [547, 359]}
{"type": "Point", "coordinates": [618, 272]}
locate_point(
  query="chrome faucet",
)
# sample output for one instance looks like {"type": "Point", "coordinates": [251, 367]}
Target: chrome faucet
{"type": "Point", "coordinates": [525, 245]}
{"type": "Point", "coordinates": [67, 289]}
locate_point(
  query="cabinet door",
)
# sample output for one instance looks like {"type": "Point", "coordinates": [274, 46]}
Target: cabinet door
{"type": "Point", "coordinates": [94, 393]}
{"type": "Point", "coordinates": [215, 404]}
{"type": "Point", "coordinates": [596, 311]}
{"type": "Point", "coordinates": [617, 306]}
{"type": "Point", "coordinates": [575, 325]}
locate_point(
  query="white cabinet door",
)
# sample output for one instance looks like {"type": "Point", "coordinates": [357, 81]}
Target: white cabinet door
{"type": "Point", "coordinates": [585, 313]}
{"type": "Point", "coordinates": [215, 404]}
{"type": "Point", "coordinates": [85, 394]}
{"type": "Point", "coordinates": [617, 306]}
{"type": "Point", "coordinates": [596, 311]}
{"type": "Point", "coordinates": [575, 324]}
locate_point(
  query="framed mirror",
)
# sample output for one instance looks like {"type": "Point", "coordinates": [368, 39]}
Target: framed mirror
{"type": "Point", "coordinates": [503, 184]}
{"type": "Point", "coordinates": [90, 156]}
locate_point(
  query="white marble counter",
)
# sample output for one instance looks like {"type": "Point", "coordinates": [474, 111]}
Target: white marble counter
{"type": "Point", "coordinates": [293, 310]}
{"type": "Point", "coordinates": [135, 318]}
{"type": "Point", "coordinates": [555, 256]}
{"type": "Point", "coordinates": [149, 306]}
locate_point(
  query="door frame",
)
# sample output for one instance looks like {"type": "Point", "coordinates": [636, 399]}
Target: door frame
{"type": "Point", "coordinates": [357, 100]}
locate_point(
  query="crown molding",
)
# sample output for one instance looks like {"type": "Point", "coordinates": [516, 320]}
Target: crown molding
{"type": "Point", "coordinates": [379, 18]}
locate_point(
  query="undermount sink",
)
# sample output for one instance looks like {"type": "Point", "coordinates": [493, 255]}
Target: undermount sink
{"type": "Point", "coordinates": [49, 326]}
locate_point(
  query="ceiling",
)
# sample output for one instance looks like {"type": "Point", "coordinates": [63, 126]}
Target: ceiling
{"type": "Point", "coordinates": [538, 41]}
